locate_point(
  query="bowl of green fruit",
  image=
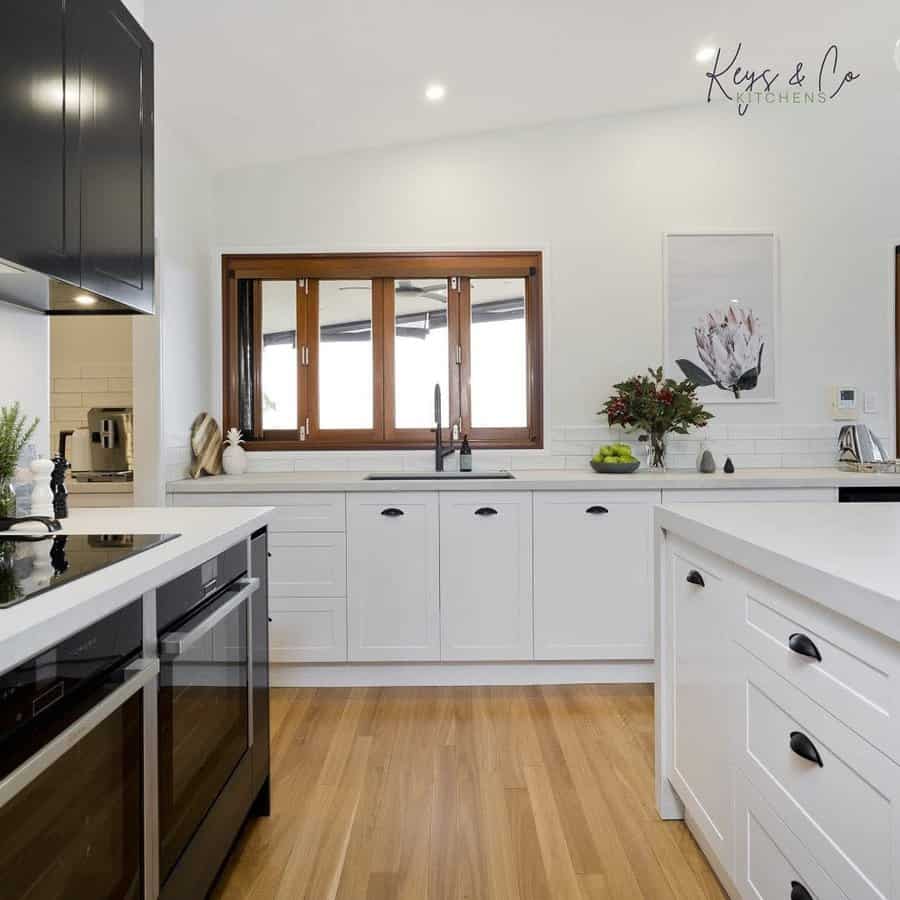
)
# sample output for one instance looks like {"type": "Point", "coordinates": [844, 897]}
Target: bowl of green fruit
{"type": "Point", "coordinates": [615, 459]}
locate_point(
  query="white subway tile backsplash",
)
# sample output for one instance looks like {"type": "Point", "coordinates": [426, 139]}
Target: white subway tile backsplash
{"type": "Point", "coordinates": [754, 431]}
{"type": "Point", "coordinates": [105, 371]}
{"type": "Point", "coordinates": [66, 400]}
{"type": "Point", "coordinates": [119, 384]}
{"type": "Point", "coordinates": [108, 398]}
{"type": "Point", "coordinates": [749, 446]}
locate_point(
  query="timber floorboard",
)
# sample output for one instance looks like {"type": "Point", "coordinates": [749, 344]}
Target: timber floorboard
{"type": "Point", "coordinates": [468, 793]}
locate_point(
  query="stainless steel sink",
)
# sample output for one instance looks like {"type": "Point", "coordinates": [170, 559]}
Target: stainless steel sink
{"type": "Point", "coordinates": [439, 476]}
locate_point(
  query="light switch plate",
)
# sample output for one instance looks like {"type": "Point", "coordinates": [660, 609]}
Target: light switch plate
{"type": "Point", "coordinates": [870, 402]}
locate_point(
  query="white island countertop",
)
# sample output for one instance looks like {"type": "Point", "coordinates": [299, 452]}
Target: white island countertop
{"type": "Point", "coordinates": [533, 480]}
{"type": "Point", "coordinates": [42, 621]}
{"type": "Point", "coordinates": [844, 556]}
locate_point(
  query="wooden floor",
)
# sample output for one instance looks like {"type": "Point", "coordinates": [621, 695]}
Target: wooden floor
{"type": "Point", "coordinates": [451, 793]}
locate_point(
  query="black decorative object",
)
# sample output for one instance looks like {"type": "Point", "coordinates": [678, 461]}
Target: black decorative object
{"type": "Point", "coordinates": [728, 468]}
{"type": "Point", "coordinates": [805, 748]}
{"type": "Point", "coordinates": [58, 487]}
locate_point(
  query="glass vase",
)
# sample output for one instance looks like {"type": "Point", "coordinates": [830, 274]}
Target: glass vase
{"type": "Point", "coordinates": [656, 453]}
{"type": "Point", "coordinates": [7, 498]}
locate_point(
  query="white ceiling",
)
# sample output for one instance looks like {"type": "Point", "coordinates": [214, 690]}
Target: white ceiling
{"type": "Point", "coordinates": [251, 81]}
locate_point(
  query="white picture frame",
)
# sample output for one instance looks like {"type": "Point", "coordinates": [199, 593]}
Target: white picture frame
{"type": "Point", "coordinates": [712, 270]}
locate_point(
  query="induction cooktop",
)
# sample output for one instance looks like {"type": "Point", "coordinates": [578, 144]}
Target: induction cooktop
{"type": "Point", "coordinates": [32, 564]}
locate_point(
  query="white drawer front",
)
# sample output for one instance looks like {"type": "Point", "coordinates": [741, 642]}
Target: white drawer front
{"type": "Point", "coordinates": [770, 858]}
{"type": "Point", "coordinates": [307, 565]}
{"type": "Point", "coordinates": [845, 811]}
{"type": "Point", "coordinates": [293, 511]}
{"type": "Point", "coordinates": [308, 629]}
{"type": "Point", "coordinates": [858, 675]}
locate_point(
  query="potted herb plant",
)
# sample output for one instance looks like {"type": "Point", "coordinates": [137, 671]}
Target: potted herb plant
{"type": "Point", "coordinates": [656, 406]}
{"type": "Point", "coordinates": [15, 432]}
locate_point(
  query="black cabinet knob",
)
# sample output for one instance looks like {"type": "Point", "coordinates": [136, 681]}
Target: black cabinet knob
{"type": "Point", "coordinates": [798, 892]}
{"type": "Point", "coordinates": [596, 510]}
{"type": "Point", "coordinates": [803, 746]}
{"type": "Point", "coordinates": [694, 577]}
{"type": "Point", "coordinates": [486, 511]}
{"type": "Point", "coordinates": [802, 644]}
{"type": "Point", "coordinates": [392, 512]}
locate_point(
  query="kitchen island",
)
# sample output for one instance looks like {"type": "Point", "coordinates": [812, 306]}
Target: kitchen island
{"type": "Point", "coordinates": [778, 710]}
{"type": "Point", "coordinates": [135, 684]}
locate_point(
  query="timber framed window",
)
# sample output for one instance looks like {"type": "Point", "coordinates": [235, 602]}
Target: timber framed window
{"type": "Point", "coordinates": [342, 352]}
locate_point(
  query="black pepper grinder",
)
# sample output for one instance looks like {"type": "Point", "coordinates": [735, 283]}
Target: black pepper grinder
{"type": "Point", "coordinates": [58, 487]}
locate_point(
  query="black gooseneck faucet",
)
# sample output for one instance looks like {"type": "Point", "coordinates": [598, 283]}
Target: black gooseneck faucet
{"type": "Point", "coordinates": [439, 450]}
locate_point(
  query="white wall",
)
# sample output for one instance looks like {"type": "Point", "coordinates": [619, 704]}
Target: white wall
{"type": "Point", "coordinates": [596, 196]}
{"type": "Point", "coordinates": [25, 367]}
{"type": "Point", "coordinates": [172, 349]}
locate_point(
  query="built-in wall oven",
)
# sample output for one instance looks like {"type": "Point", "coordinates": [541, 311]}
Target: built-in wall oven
{"type": "Point", "coordinates": [75, 776]}
{"type": "Point", "coordinates": [205, 718]}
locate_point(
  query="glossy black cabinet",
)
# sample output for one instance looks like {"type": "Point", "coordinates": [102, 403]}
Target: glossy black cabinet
{"type": "Point", "coordinates": [259, 567]}
{"type": "Point", "coordinates": [76, 172]}
{"type": "Point", "coordinates": [39, 177]}
{"type": "Point", "coordinates": [115, 64]}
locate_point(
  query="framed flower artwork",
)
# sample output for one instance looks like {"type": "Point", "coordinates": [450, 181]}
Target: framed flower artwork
{"type": "Point", "coordinates": [721, 313]}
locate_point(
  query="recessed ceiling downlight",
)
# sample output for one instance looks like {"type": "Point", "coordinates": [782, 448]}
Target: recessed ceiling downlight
{"type": "Point", "coordinates": [705, 54]}
{"type": "Point", "coordinates": [85, 300]}
{"type": "Point", "coordinates": [435, 92]}
{"type": "Point", "coordinates": [897, 55]}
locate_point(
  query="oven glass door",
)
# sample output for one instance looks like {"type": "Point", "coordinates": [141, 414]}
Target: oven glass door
{"type": "Point", "coordinates": [203, 717]}
{"type": "Point", "coordinates": [77, 830]}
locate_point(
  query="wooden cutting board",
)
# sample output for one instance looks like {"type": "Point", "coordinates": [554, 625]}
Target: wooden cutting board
{"type": "Point", "coordinates": [206, 446]}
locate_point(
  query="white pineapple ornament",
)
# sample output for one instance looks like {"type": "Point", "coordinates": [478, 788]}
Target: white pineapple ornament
{"type": "Point", "coordinates": [234, 456]}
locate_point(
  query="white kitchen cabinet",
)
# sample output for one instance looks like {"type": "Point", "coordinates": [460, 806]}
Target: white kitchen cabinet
{"type": "Point", "coordinates": [706, 692]}
{"type": "Point", "coordinates": [303, 564]}
{"type": "Point", "coordinates": [392, 550]}
{"type": "Point", "coordinates": [307, 629]}
{"type": "Point", "coordinates": [593, 595]}
{"type": "Point", "coordinates": [486, 576]}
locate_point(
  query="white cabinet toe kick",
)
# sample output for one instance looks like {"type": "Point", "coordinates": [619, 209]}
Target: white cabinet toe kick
{"type": "Point", "coordinates": [778, 732]}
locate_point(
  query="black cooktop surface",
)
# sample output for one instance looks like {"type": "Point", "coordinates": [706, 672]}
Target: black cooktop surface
{"type": "Point", "coordinates": [31, 564]}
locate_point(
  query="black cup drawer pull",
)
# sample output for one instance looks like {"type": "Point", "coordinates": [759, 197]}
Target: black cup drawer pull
{"type": "Point", "coordinates": [694, 577]}
{"type": "Point", "coordinates": [485, 511]}
{"type": "Point", "coordinates": [392, 512]}
{"type": "Point", "coordinates": [802, 644]}
{"type": "Point", "coordinates": [803, 746]}
{"type": "Point", "coordinates": [798, 892]}
{"type": "Point", "coordinates": [596, 510]}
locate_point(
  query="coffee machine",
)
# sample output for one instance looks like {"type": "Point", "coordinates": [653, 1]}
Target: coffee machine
{"type": "Point", "coordinates": [111, 431]}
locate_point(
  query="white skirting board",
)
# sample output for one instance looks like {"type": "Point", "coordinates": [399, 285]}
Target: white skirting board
{"type": "Point", "coordinates": [447, 674]}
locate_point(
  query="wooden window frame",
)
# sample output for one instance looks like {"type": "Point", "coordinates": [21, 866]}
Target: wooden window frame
{"type": "Point", "coordinates": [382, 269]}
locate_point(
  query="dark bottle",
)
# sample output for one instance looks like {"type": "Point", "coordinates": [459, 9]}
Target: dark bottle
{"type": "Point", "coordinates": [465, 455]}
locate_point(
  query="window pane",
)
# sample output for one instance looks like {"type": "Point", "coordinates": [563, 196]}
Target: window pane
{"type": "Point", "coordinates": [345, 354]}
{"type": "Point", "coordinates": [279, 355]}
{"type": "Point", "coordinates": [421, 346]}
{"type": "Point", "coordinates": [498, 356]}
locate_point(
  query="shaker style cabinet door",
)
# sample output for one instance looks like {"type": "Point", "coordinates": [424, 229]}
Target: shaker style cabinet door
{"type": "Point", "coordinates": [486, 586]}
{"type": "Point", "coordinates": [593, 554]}
{"type": "Point", "coordinates": [114, 60]}
{"type": "Point", "coordinates": [39, 122]}
{"type": "Point", "coordinates": [392, 566]}
{"type": "Point", "coordinates": [706, 687]}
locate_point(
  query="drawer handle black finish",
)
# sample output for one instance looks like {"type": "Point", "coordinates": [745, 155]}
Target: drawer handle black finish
{"type": "Point", "coordinates": [803, 746]}
{"type": "Point", "coordinates": [596, 510]}
{"type": "Point", "coordinates": [798, 892]}
{"type": "Point", "coordinates": [694, 577]}
{"type": "Point", "coordinates": [392, 512]}
{"type": "Point", "coordinates": [485, 511]}
{"type": "Point", "coordinates": [802, 644]}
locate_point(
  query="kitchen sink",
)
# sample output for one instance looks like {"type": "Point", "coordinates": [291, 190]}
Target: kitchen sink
{"type": "Point", "coordinates": [439, 476]}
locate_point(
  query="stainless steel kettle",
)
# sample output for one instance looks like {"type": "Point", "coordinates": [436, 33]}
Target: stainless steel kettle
{"type": "Point", "coordinates": [858, 444]}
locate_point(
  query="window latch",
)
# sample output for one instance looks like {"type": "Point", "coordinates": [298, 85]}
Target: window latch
{"type": "Point", "coordinates": [304, 284]}
{"type": "Point", "coordinates": [459, 354]}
